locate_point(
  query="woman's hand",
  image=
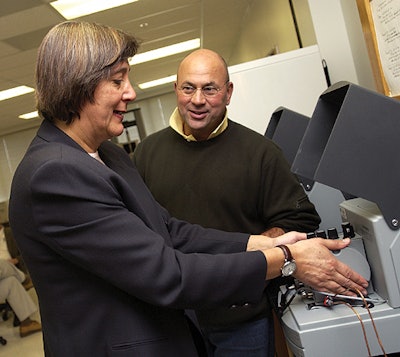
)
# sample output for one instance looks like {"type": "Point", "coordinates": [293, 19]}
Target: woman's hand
{"type": "Point", "coordinates": [318, 268]}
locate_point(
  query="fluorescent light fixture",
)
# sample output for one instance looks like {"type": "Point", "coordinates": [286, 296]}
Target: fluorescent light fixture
{"type": "Point", "coordinates": [71, 9]}
{"type": "Point", "coordinates": [30, 115]}
{"type": "Point", "coordinates": [157, 82]}
{"type": "Point", "coordinates": [165, 51]}
{"type": "Point", "coordinates": [15, 92]}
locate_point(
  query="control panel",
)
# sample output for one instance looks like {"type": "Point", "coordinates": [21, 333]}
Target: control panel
{"type": "Point", "coordinates": [317, 323]}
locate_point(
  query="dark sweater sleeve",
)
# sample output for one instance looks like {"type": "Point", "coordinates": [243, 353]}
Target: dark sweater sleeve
{"type": "Point", "coordinates": [291, 208]}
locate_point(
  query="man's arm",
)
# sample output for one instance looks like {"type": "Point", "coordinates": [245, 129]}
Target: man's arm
{"type": "Point", "coordinates": [273, 232]}
{"type": "Point", "coordinates": [286, 206]}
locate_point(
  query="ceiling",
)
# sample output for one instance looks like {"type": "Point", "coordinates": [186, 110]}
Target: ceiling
{"type": "Point", "coordinates": [157, 23]}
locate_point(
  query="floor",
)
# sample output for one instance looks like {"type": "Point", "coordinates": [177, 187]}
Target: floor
{"type": "Point", "coordinates": [30, 346]}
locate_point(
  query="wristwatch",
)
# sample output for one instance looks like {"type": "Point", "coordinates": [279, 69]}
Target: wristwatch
{"type": "Point", "coordinates": [289, 266]}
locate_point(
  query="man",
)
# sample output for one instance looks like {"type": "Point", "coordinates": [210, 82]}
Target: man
{"type": "Point", "coordinates": [209, 170]}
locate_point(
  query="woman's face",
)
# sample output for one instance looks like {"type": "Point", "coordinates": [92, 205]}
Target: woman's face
{"type": "Point", "coordinates": [103, 118]}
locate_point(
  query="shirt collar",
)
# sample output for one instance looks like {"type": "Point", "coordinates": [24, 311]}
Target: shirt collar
{"type": "Point", "coordinates": [96, 156]}
{"type": "Point", "coordinates": [176, 123]}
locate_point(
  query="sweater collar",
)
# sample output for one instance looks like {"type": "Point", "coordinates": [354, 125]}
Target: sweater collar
{"type": "Point", "coordinates": [176, 123]}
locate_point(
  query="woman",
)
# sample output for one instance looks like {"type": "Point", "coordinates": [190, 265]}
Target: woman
{"type": "Point", "coordinates": [113, 271]}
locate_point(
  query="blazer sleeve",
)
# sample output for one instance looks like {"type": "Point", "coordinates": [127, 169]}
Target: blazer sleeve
{"type": "Point", "coordinates": [87, 214]}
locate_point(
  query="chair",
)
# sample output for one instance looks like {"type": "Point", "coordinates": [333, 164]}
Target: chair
{"type": "Point", "coordinates": [4, 308]}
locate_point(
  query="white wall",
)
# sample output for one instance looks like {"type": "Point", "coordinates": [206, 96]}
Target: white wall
{"type": "Point", "coordinates": [340, 39]}
{"type": "Point", "coordinates": [156, 111]}
{"type": "Point", "coordinates": [357, 44]}
{"type": "Point", "coordinates": [294, 80]}
{"type": "Point", "coordinates": [270, 25]}
{"type": "Point", "coordinates": [12, 149]}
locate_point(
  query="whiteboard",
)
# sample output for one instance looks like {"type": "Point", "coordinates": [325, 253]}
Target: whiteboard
{"type": "Point", "coordinates": [293, 80]}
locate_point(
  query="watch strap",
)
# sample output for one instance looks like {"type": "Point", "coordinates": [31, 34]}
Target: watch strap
{"type": "Point", "coordinates": [286, 251]}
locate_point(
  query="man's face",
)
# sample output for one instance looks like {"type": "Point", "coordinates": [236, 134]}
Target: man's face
{"type": "Point", "coordinates": [202, 113]}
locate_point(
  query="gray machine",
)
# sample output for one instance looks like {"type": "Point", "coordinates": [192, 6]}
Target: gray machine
{"type": "Point", "coordinates": [286, 129]}
{"type": "Point", "coordinates": [351, 144]}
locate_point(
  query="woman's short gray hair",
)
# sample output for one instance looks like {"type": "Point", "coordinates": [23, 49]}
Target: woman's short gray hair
{"type": "Point", "coordinates": [72, 59]}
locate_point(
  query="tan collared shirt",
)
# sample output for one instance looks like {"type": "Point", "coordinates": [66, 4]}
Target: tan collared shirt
{"type": "Point", "coordinates": [176, 123]}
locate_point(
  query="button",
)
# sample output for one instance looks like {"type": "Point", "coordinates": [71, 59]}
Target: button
{"type": "Point", "coordinates": [311, 235]}
{"type": "Point", "coordinates": [320, 233]}
{"type": "Point", "coordinates": [348, 230]}
{"type": "Point", "coordinates": [332, 233]}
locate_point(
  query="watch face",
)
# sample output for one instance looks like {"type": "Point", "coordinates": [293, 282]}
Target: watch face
{"type": "Point", "coordinates": [289, 268]}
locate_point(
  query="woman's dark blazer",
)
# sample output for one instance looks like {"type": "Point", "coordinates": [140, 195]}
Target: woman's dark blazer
{"type": "Point", "coordinates": [113, 271]}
